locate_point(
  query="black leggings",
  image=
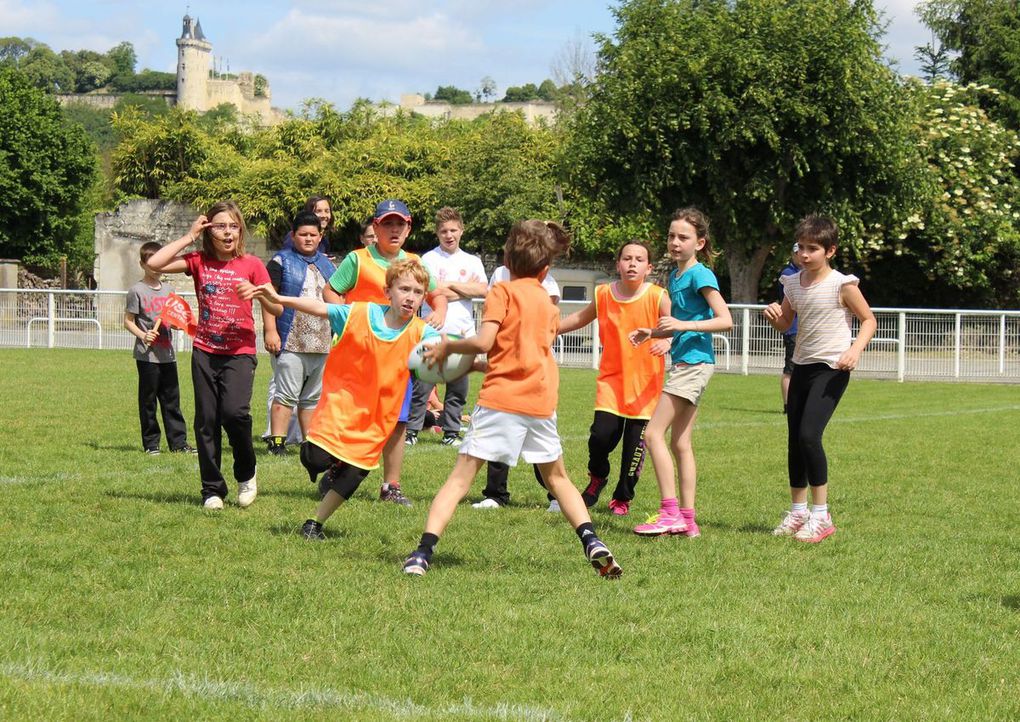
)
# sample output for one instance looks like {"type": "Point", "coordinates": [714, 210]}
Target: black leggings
{"type": "Point", "coordinates": [606, 431]}
{"type": "Point", "coordinates": [344, 478]}
{"type": "Point", "coordinates": [815, 391]}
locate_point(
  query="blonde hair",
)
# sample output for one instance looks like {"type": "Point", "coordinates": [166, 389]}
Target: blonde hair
{"type": "Point", "coordinates": [533, 245]}
{"type": "Point", "coordinates": [447, 214]}
{"type": "Point", "coordinates": [224, 207]}
{"type": "Point", "coordinates": [410, 267]}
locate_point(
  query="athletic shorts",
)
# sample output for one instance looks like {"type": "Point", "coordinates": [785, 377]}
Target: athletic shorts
{"type": "Point", "coordinates": [501, 436]}
{"type": "Point", "coordinates": [405, 408]}
{"type": "Point", "coordinates": [789, 344]}
{"type": "Point", "coordinates": [688, 381]}
{"type": "Point", "coordinates": [298, 378]}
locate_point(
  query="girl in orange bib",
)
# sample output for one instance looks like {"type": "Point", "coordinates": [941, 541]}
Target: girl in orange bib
{"type": "Point", "coordinates": [630, 378]}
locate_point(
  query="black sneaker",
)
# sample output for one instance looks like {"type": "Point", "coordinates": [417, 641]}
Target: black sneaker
{"type": "Point", "coordinates": [451, 440]}
{"type": "Point", "coordinates": [152, 452]}
{"type": "Point", "coordinates": [602, 560]}
{"type": "Point", "coordinates": [277, 446]}
{"type": "Point", "coordinates": [594, 488]}
{"type": "Point", "coordinates": [416, 564]}
{"type": "Point", "coordinates": [411, 438]}
{"type": "Point", "coordinates": [186, 449]}
{"type": "Point", "coordinates": [312, 531]}
{"type": "Point", "coordinates": [395, 495]}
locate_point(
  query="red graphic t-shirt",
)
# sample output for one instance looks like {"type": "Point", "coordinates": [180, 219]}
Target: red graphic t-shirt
{"type": "Point", "coordinates": [225, 322]}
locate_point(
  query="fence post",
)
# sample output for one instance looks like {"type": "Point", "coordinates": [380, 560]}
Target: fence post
{"type": "Point", "coordinates": [745, 341]}
{"type": "Point", "coordinates": [51, 313]}
{"type": "Point", "coordinates": [956, 349]}
{"type": "Point", "coordinates": [901, 350]}
{"type": "Point", "coordinates": [1002, 344]}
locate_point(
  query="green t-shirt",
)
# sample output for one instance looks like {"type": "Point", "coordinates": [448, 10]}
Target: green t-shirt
{"type": "Point", "coordinates": [346, 274]}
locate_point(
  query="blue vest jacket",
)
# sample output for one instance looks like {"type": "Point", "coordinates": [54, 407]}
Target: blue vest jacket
{"type": "Point", "coordinates": [295, 266]}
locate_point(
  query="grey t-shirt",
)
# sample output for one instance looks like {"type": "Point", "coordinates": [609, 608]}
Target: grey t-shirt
{"type": "Point", "coordinates": [145, 303]}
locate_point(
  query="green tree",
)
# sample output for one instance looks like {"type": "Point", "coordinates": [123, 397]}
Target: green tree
{"type": "Point", "coordinates": [156, 152]}
{"type": "Point", "coordinates": [261, 85]}
{"type": "Point", "coordinates": [13, 49]}
{"type": "Point", "coordinates": [771, 110]}
{"type": "Point", "coordinates": [453, 95]}
{"type": "Point", "coordinates": [548, 91]}
{"type": "Point", "coordinates": [47, 175]}
{"type": "Point", "coordinates": [123, 58]}
{"type": "Point", "coordinates": [986, 36]}
{"type": "Point", "coordinates": [521, 94]}
{"type": "Point", "coordinates": [47, 71]}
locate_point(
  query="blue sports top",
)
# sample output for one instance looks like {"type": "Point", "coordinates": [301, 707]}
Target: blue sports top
{"type": "Point", "coordinates": [689, 304]}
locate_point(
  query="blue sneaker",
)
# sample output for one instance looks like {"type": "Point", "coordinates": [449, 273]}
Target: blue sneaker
{"type": "Point", "coordinates": [602, 560]}
{"type": "Point", "coordinates": [416, 564]}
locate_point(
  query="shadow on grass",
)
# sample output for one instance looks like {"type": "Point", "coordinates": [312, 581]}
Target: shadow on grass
{"type": "Point", "coordinates": [159, 497]}
{"type": "Point", "coordinates": [770, 411]}
{"type": "Point", "coordinates": [1011, 601]}
{"type": "Point", "coordinates": [96, 446]}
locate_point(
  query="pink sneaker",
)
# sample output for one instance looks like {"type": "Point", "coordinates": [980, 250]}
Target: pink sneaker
{"type": "Point", "coordinates": [692, 529]}
{"type": "Point", "coordinates": [815, 529]}
{"type": "Point", "coordinates": [619, 508]}
{"type": "Point", "coordinates": [791, 523]}
{"type": "Point", "coordinates": [660, 524]}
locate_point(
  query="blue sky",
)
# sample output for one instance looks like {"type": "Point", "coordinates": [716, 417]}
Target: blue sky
{"type": "Point", "coordinates": [344, 49]}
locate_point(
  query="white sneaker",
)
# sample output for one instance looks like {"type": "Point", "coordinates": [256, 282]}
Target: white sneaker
{"type": "Point", "coordinates": [246, 493]}
{"type": "Point", "coordinates": [486, 503]}
{"type": "Point", "coordinates": [554, 507]}
{"type": "Point", "coordinates": [213, 503]}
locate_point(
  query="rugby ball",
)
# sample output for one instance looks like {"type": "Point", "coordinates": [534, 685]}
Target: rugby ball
{"type": "Point", "coordinates": [455, 365]}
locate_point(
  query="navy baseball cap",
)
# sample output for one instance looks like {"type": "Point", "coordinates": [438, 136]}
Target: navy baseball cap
{"type": "Point", "coordinates": [391, 208]}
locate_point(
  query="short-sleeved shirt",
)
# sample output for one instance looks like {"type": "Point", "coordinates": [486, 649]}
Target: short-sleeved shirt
{"type": "Point", "coordinates": [370, 280]}
{"type": "Point", "coordinates": [824, 332]}
{"type": "Point", "coordinates": [459, 267]}
{"type": "Point", "coordinates": [146, 302]}
{"type": "Point", "coordinates": [502, 273]}
{"type": "Point", "coordinates": [225, 323]}
{"type": "Point", "coordinates": [522, 376]}
{"type": "Point", "coordinates": [687, 303]}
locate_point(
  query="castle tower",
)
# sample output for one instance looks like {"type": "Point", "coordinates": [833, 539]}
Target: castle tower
{"type": "Point", "coordinates": [193, 55]}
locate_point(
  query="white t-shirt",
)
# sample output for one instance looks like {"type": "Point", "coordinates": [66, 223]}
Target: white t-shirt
{"type": "Point", "coordinates": [548, 283]}
{"type": "Point", "coordinates": [459, 267]}
{"type": "Point", "coordinates": [823, 322]}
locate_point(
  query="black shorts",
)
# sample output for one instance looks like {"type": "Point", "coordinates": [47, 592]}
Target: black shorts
{"type": "Point", "coordinates": [789, 342]}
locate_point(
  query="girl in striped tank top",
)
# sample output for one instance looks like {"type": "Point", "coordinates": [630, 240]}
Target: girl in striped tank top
{"type": "Point", "coordinates": [822, 301]}
{"type": "Point", "coordinates": [630, 379]}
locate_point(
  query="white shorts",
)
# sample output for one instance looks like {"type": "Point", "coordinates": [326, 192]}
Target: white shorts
{"type": "Point", "coordinates": [501, 436]}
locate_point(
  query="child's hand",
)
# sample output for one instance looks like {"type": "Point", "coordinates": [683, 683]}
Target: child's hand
{"type": "Point", "coordinates": [772, 313]}
{"type": "Point", "coordinates": [272, 341]}
{"type": "Point", "coordinates": [437, 352]}
{"type": "Point", "coordinates": [848, 361]}
{"type": "Point", "coordinates": [639, 335]}
{"type": "Point", "coordinates": [436, 320]}
{"type": "Point", "coordinates": [668, 323]}
{"type": "Point", "coordinates": [660, 347]}
{"type": "Point", "coordinates": [246, 290]}
{"type": "Point", "coordinates": [151, 336]}
{"type": "Point", "coordinates": [480, 364]}
{"type": "Point", "coordinates": [200, 224]}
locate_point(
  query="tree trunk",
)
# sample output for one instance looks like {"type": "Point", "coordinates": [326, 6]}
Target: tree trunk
{"type": "Point", "coordinates": [745, 271]}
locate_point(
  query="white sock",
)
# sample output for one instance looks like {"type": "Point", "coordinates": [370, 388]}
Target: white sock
{"type": "Point", "coordinates": [798, 507]}
{"type": "Point", "coordinates": [819, 510]}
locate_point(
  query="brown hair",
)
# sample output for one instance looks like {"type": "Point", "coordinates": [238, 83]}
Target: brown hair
{"type": "Point", "coordinates": [408, 266]}
{"type": "Point", "coordinates": [644, 244]}
{"type": "Point", "coordinates": [820, 229]}
{"type": "Point", "coordinates": [700, 222]}
{"type": "Point", "coordinates": [533, 245]}
{"type": "Point", "coordinates": [310, 207]}
{"type": "Point", "coordinates": [148, 250]}
{"type": "Point", "coordinates": [224, 207]}
{"type": "Point", "coordinates": [447, 214]}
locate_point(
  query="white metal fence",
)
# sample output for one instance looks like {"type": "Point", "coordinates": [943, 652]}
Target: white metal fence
{"type": "Point", "coordinates": [911, 344]}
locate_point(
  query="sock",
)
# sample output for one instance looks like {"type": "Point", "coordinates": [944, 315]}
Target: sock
{"type": "Point", "coordinates": [427, 545]}
{"type": "Point", "coordinates": [819, 510]}
{"type": "Point", "coordinates": [669, 507]}
{"type": "Point", "coordinates": [687, 513]}
{"type": "Point", "coordinates": [798, 507]}
{"type": "Point", "coordinates": [390, 485]}
{"type": "Point", "coordinates": [586, 533]}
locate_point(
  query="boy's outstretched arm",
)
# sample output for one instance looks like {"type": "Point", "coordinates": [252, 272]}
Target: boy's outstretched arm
{"type": "Point", "coordinates": [438, 302]}
{"type": "Point", "coordinates": [578, 319]}
{"type": "Point", "coordinates": [266, 294]}
{"type": "Point", "coordinates": [480, 343]}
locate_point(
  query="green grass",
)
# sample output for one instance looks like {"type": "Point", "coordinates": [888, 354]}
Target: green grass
{"type": "Point", "coordinates": [122, 598]}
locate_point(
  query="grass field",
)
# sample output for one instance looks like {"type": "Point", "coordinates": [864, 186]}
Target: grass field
{"type": "Point", "coordinates": [122, 598]}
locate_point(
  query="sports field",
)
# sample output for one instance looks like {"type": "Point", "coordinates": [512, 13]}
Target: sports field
{"type": "Point", "coordinates": [121, 598]}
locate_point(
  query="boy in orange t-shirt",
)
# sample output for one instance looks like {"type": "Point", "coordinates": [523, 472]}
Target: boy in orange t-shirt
{"type": "Point", "coordinates": [363, 383]}
{"type": "Point", "coordinates": [516, 411]}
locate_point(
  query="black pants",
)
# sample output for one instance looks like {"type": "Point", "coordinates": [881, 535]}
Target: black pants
{"type": "Point", "coordinates": [496, 476]}
{"type": "Point", "coordinates": [606, 432]}
{"type": "Point", "coordinates": [344, 478]}
{"type": "Point", "coordinates": [815, 391]}
{"type": "Point", "coordinates": [453, 405]}
{"type": "Point", "coordinates": [158, 382]}
{"type": "Point", "coordinates": [223, 399]}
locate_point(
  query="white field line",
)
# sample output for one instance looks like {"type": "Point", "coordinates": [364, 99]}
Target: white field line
{"type": "Point", "coordinates": [253, 696]}
{"type": "Point", "coordinates": [777, 422]}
